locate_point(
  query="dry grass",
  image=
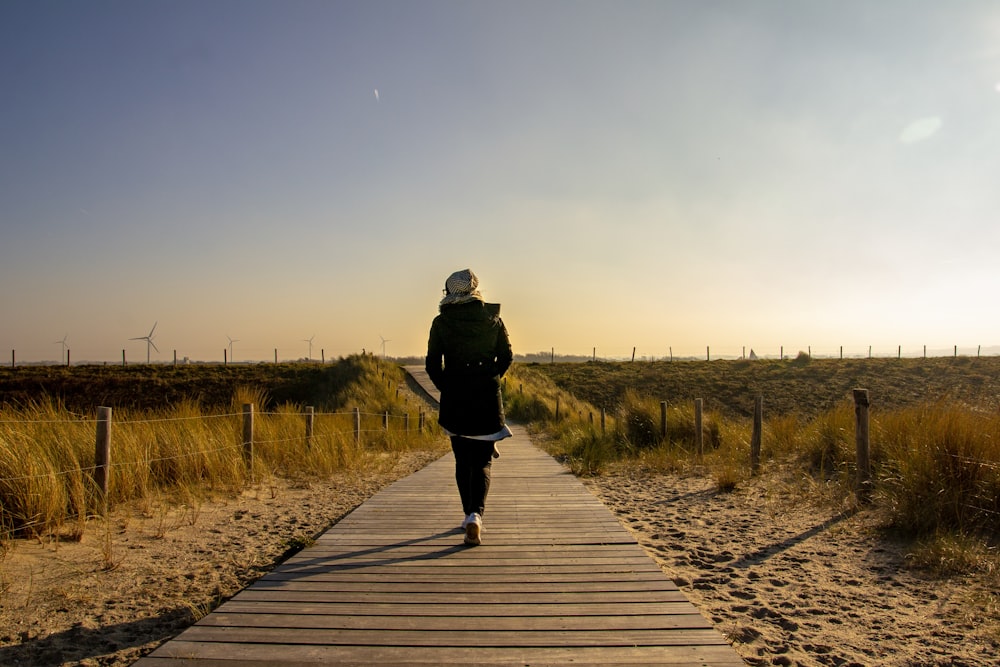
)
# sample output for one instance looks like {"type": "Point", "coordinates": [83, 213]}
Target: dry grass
{"type": "Point", "coordinates": [936, 466]}
{"type": "Point", "coordinates": [181, 454]}
{"type": "Point", "coordinates": [802, 387]}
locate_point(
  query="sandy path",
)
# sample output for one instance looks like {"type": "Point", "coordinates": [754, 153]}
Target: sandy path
{"type": "Point", "coordinates": [793, 584]}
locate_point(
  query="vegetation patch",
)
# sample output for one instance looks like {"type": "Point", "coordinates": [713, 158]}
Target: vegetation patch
{"type": "Point", "coordinates": [186, 449]}
{"type": "Point", "coordinates": [934, 433]}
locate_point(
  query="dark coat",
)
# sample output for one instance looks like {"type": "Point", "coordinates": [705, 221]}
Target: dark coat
{"type": "Point", "coordinates": [467, 354]}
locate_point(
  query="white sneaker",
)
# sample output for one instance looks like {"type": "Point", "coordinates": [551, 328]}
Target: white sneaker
{"type": "Point", "coordinates": [465, 521]}
{"type": "Point", "coordinates": [473, 527]}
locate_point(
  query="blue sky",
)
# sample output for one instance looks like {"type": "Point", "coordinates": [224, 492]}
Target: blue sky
{"type": "Point", "coordinates": [664, 175]}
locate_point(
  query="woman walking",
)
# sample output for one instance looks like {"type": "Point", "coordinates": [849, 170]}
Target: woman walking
{"type": "Point", "coordinates": [467, 354]}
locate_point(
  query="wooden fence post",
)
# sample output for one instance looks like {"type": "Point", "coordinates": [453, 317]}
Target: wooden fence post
{"type": "Point", "coordinates": [406, 422]}
{"type": "Point", "coordinates": [557, 408]}
{"type": "Point", "coordinates": [758, 424]}
{"type": "Point", "coordinates": [357, 424]}
{"type": "Point", "coordinates": [13, 358]}
{"type": "Point", "coordinates": [699, 436]}
{"type": "Point", "coordinates": [861, 404]}
{"type": "Point", "coordinates": [663, 419]}
{"type": "Point", "coordinates": [420, 422]}
{"type": "Point", "coordinates": [248, 436]}
{"type": "Point", "coordinates": [310, 418]}
{"type": "Point", "coordinates": [102, 455]}
{"type": "Point", "coordinates": [123, 358]}
{"type": "Point", "coordinates": [385, 420]}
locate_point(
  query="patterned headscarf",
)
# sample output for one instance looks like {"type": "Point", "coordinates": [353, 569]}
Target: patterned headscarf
{"type": "Point", "coordinates": [461, 287]}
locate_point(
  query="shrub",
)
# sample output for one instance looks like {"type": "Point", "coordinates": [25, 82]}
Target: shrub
{"type": "Point", "coordinates": [528, 409]}
{"type": "Point", "coordinates": [586, 451]}
{"type": "Point", "coordinates": [828, 448]}
{"type": "Point", "coordinates": [639, 420]}
{"type": "Point", "coordinates": [941, 470]}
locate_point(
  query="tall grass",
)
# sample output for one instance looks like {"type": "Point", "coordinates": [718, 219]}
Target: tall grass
{"type": "Point", "coordinates": [47, 453]}
{"type": "Point", "coordinates": [42, 478]}
{"type": "Point", "coordinates": [940, 469]}
{"type": "Point", "coordinates": [936, 467]}
{"type": "Point", "coordinates": [576, 437]}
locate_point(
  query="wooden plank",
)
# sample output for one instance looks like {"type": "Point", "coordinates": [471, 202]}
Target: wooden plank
{"type": "Point", "coordinates": [463, 634]}
{"type": "Point", "coordinates": [444, 578]}
{"type": "Point", "coordinates": [557, 581]}
{"type": "Point", "coordinates": [212, 654]}
{"type": "Point", "coordinates": [458, 553]}
{"type": "Point", "coordinates": [334, 552]}
{"type": "Point", "coordinates": [468, 610]}
{"type": "Point", "coordinates": [458, 597]}
{"type": "Point", "coordinates": [533, 570]}
{"type": "Point", "coordinates": [485, 587]}
{"type": "Point", "coordinates": [442, 623]}
{"type": "Point", "coordinates": [471, 571]}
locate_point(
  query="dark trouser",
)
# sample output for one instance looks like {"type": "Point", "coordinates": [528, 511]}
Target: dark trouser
{"type": "Point", "coordinates": [473, 460]}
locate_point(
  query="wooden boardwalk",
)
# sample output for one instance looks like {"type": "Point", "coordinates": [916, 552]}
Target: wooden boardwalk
{"type": "Point", "coordinates": [557, 581]}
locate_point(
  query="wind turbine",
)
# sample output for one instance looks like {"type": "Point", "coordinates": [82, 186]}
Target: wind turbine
{"type": "Point", "coordinates": [384, 341]}
{"type": "Point", "coordinates": [149, 341]}
{"type": "Point", "coordinates": [231, 341]}
{"type": "Point", "coordinates": [62, 357]}
{"type": "Point", "coordinates": [310, 341]}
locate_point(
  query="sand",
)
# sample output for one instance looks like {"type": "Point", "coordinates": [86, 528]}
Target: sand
{"type": "Point", "coordinates": [788, 582]}
{"type": "Point", "coordinates": [791, 580]}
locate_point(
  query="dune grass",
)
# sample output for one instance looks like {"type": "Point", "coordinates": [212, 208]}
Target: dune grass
{"type": "Point", "coordinates": [186, 453]}
{"type": "Point", "coordinates": [936, 466]}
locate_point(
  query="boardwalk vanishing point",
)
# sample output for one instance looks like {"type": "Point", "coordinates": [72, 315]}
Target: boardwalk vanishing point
{"type": "Point", "coordinates": [557, 581]}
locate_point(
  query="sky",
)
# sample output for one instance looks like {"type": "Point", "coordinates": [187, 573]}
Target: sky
{"type": "Point", "coordinates": [674, 176]}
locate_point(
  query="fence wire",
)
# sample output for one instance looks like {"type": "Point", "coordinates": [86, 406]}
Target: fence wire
{"type": "Point", "coordinates": [118, 421]}
{"type": "Point", "coordinates": [200, 452]}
